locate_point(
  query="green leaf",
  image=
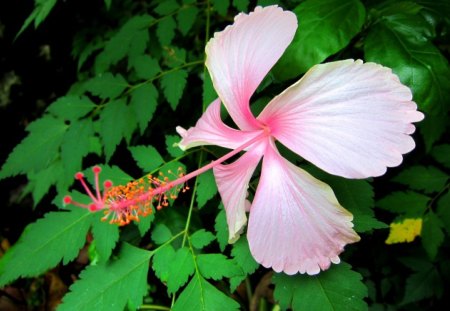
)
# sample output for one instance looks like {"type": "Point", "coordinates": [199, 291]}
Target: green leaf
{"type": "Point", "coordinates": [106, 85]}
{"type": "Point", "coordinates": [161, 234]}
{"type": "Point", "coordinates": [108, 4]}
{"type": "Point", "coordinates": [432, 234]}
{"type": "Point", "coordinates": [410, 204]}
{"type": "Point", "coordinates": [428, 179]}
{"type": "Point", "coordinates": [201, 295]}
{"type": "Point", "coordinates": [173, 85]}
{"type": "Point", "coordinates": [71, 107]}
{"type": "Point", "coordinates": [422, 284]}
{"type": "Point", "coordinates": [166, 7]}
{"type": "Point", "coordinates": [76, 145]}
{"type": "Point", "coordinates": [221, 228]}
{"type": "Point", "coordinates": [106, 236]}
{"type": "Point", "coordinates": [58, 236]}
{"type": "Point", "coordinates": [443, 210]}
{"type": "Point", "coordinates": [217, 266]}
{"type": "Point", "coordinates": [441, 153]}
{"type": "Point", "coordinates": [221, 6]}
{"type": "Point", "coordinates": [112, 285]}
{"type": "Point", "coordinates": [112, 173]}
{"type": "Point", "coordinates": [41, 10]}
{"type": "Point", "coordinates": [388, 8]}
{"type": "Point", "coordinates": [36, 151]}
{"type": "Point", "coordinates": [402, 43]}
{"type": "Point", "coordinates": [174, 57]}
{"type": "Point", "coordinates": [162, 262]}
{"type": "Point", "coordinates": [113, 124]}
{"type": "Point", "coordinates": [325, 27]}
{"type": "Point", "coordinates": [165, 31]}
{"type": "Point", "coordinates": [241, 5]}
{"type": "Point", "coordinates": [172, 145]}
{"type": "Point", "coordinates": [143, 102]}
{"type": "Point", "coordinates": [43, 180]}
{"type": "Point", "coordinates": [131, 40]}
{"type": "Point", "coordinates": [146, 157]}
{"type": "Point", "coordinates": [243, 257]}
{"type": "Point", "coordinates": [202, 238]}
{"type": "Point", "coordinates": [146, 67]}
{"type": "Point", "coordinates": [206, 188]}
{"type": "Point", "coordinates": [186, 18]}
{"type": "Point", "coordinates": [336, 289]}
{"type": "Point", "coordinates": [209, 93]}
{"type": "Point", "coordinates": [181, 267]}
{"type": "Point", "coordinates": [145, 223]}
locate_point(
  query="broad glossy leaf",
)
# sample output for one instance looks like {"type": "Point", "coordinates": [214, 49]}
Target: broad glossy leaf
{"type": "Point", "coordinates": [324, 28]}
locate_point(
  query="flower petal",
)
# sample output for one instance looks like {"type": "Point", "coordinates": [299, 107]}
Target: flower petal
{"type": "Point", "coordinates": [239, 57]}
{"type": "Point", "coordinates": [296, 223]}
{"type": "Point", "coordinates": [232, 182]}
{"type": "Point", "coordinates": [348, 118]}
{"type": "Point", "coordinates": [210, 130]}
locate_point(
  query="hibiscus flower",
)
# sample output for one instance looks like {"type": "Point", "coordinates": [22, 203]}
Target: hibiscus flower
{"type": "Point", "coordinates": [349, 118]}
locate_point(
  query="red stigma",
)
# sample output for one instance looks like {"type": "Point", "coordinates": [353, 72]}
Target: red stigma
{"type": "Point", "coordinates": [96, 169]}
{"type": "Point", "coordinates": [107, 184]}
{"type": "Point", "coordinates": [79, 175]}
{"type": "Point", "coordinates": [67, 199]}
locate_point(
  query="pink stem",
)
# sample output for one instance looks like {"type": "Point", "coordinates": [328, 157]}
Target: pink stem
{"type": "Point", "coordinates": [182, 180]}
{"type": "Point", "coordinates": [88, 191]}
{"type": "Point", "coordinates": [97, 188]}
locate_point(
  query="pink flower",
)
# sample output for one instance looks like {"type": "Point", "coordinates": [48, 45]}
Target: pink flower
{"type": "Point", "coordinates": [349, 118]}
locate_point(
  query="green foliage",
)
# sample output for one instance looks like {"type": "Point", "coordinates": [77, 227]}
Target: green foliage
{"type": "Point", "coordinates": [111, 285]}
{"type": "Point", "coordinates": [427, 179]}
{"type": "Point", "coordinates": [173, 85]}
{"type": "Point", "coordinates": [202, 238]}
{"type": "Point", "coordinates": [207, 188]}
{"type": "Point", "coordinates": [147, 157]}
{"type": "Point", "coordinates": [316, 39]}
{"type": "Point", "coordinates": [339, 288]}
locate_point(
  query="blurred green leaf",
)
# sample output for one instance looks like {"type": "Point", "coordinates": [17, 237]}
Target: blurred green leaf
{"type": "Point", "coordinates": [40, 182]}
{"type": "Point", "coordinates": [221, 228]}
{"type": "Point", "coordinates": [410, 204]}
{"type": "Point", "coordinates": [166, 7]}
{"type": "Point", "coordinates": [41, 10]}
{"type": "Point", "coordinates": [428, 179]}
{"type": "Point", "coordinates": [206, 188]}
{"type": "Point", "coordinates": [201, 295]}
{"type": "Point", "coordinates": [221, 6]}
{"type": "Point", "coordinates": [441, 153]}
{"type": "Point", "coordinates": [336, 289]}
{"type": "Point", "coordinates": [165, 30]}
{"type": "Point", "coordinates": [202, 238]}
{"type": "Point", "coordinates": [432, 235]}
{"type": "Point", "coordinates": [186, 18]}
{"type": "Point", "coordinates": [241, 5]}
{"type": "Point", "coordinates": [171, 144]}
{"type": "Point", "coordinates": [181, 267]}
{"type": "Point", "coordinates": [146, 157]}
{"type": "Point", "coordinates": [443, 210]}
{"type": "Point", "coordinates": [161, 262]}
{"type": "Point", "coordinates": [36, 151]}
{"type": "Point", "coordinates": [105, 235]}
{"type": "Point", "coordinates": [161, 234]}
{"type": "Point", "coordinates": [216, 266]}
{"type": "Point", "coordinates": [112, 285]}
{"type": "Point", "coordinates": [146, 67]}
{"type": "Point", "coordinates": [422, 284]}
{"type": "Point", "coordinates": [325, 28]}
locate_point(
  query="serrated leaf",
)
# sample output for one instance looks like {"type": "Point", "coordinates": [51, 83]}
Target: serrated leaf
{"type": "Point", "coordinates": [173, 85]}
{"type": "Point", "coordinates": [106, 85]}
{"type": "Point", "coordinates": [165, 31]}
{"type": "Point", "coordinates": [144, 223]}
{"type": "Point", "coordinates": [166, 7]}
{"type": "Point", "coordinates": [146, 157]}
{"type": "Point", "coordinates": [161, 233]}
{"type": "Point", "coordinates": [76, 145]}
{"type": "Point", "coordinates": [111, 173]}
{"type": "Point", "coordinates": [221, 6]}
{"type": "Point", "coordinates": [441, 154]}
{"type": "Point", "coordinates": [172, 145]}
{"type": "Point", "coordinates": [58, 236]}
{"type": "Point", "coordinates": [201, 238]}
{"type": "Point", "coordinates": [71, 107]}
{"type": "Point", "coordinates": [432, 234]}
{"type": "Point", "coordinates": [428, 179]}
{"type": "Point", "coordinates": [43, 180]}
{"type": "Point", "coordinates": [146, 67]}
{"type": "Point", "coordinates": [221, 228]}
{"type": "Point", "coordinates": [206, 188]}
{"type": "Point", "coordinates": [106, 236]}
{"type": "Point", "coordinates": [41, 10]}
{"type": "Point", "coordinates": [174, 56]}
{"type": "Point", "coordinates": [336, 289]}
{"type": "Point", "coordinates": [113, 124]}
{"type": "Point", "coordinates": [162, 261]}
{"type": "Point", "coordinates": [112, 285]}
{"type": "Point", "coordinates": [410, 204]}
{"type": "Point", "coordinates": [243, 257]}
{"type": "Point", "coordinates": [201, 295]}
{"type": "Point", "coordinates": [325, 27]}
{"type": "Point", "coordinates": [36, 151]}
{"type": "Point", "coordinates": [217, 266]}
{"type": "Point", "coordinates": [186, 19]}
{"type": "Point", "coordinates": [209, 93]}
{"type": "Point", "coordinates": [421, 285]}
{"type": "Point", "coordinates": [181, 267]}
{"type": "Point", "coordinates": [144, 101]}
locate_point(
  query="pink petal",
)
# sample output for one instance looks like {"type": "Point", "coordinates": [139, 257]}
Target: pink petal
{"type": "Point", "coordinates": [239, 57]}
{"type": "Point", "coordinates": [210, 130]}
{"type": "Point", "coordinates": [348, 118]}
{"type": "Point", "coordinates": [296, 223]}
{"type": "Point", "coordinates": [232, 182]}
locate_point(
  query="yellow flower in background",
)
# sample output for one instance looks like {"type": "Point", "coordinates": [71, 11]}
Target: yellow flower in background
{"type": "Point", "coordinates": [405, 231]}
